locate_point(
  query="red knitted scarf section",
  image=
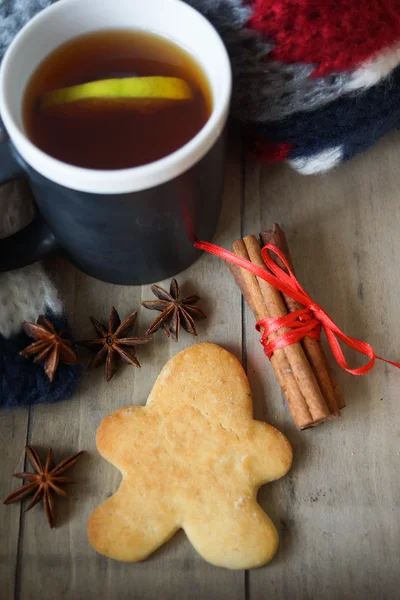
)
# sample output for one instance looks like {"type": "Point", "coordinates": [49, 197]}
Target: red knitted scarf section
{"type": "Point", "coordinates": [335, 35]}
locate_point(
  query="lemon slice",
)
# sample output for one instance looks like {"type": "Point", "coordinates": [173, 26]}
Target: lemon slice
{"type": "Point", "coordinates": [146, 88]}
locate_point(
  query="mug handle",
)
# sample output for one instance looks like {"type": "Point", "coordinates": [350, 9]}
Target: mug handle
{"type": "Point", "coordinates": [33, 242]}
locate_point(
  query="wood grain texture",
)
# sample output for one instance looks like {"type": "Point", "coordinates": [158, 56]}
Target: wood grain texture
{"type": "Point", "coordinates": [13, 432]}
{"type": "Point", "coordinates": [338, 510]}
{"type": "Point", "coordinates": [62, 557]}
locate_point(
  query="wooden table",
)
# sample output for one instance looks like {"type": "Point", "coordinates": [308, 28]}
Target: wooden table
{"type": "Point", "coordinates": [338, 510]}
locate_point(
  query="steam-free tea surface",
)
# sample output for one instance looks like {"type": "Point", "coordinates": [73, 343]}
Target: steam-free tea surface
{"type": "Point", "coordinates": [115, 133]}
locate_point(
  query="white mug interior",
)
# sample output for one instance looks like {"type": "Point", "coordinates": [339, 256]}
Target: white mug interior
{"type": "Point", "coordinates": [67, 19]}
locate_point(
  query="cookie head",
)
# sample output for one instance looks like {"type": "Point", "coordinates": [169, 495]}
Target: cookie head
{"type": "Point", "coordinates": [192, 458]}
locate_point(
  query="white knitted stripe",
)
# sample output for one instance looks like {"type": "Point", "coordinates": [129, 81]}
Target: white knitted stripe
{"type": "Point", "coordinates": [270, 90]}
{"type": "Point", "coordinates": [318, 163]}
{"type": "Point", "coordinates": [25, 293]}
{"type": "Point", "coordinates": [375, 69]}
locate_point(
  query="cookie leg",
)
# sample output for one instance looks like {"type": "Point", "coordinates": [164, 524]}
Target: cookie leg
{"type": "Point", "coordinates": [128, 528]}
{"type": "Point", "coordinates": [235, 535]}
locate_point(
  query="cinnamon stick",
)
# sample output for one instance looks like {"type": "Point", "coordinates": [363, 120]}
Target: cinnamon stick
{"type": "Point", "coordinates": [296, 378]}
{"type": "Point", "coordinates": [312, 347]}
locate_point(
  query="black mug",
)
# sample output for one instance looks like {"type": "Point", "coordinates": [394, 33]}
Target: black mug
{"type": "Point", "coordinates": [128, 226]}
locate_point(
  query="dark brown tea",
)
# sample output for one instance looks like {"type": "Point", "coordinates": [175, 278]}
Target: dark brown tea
{"type": "Point", "coordinates": [118, 133]}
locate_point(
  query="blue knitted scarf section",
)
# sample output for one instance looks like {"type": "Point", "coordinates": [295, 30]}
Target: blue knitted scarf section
{"type": "Point", "coordinates": [23, 382]}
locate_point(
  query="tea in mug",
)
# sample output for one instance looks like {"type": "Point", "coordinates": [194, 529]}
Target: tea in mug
{"type": "Point", "coordinates": [144, 97]}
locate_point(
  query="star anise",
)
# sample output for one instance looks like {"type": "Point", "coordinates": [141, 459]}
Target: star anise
{"type": "Point", "coordinates": [44, 482]}
{"type": "Point", "coordinates": [112, 342]}
{"type": "Point", "coordinates": [50, 346]}
{"type": "Point", "coordinates": [174, 312]}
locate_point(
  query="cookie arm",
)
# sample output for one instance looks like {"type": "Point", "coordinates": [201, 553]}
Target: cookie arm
{"type": "Point", "coordinates": [269, 453]}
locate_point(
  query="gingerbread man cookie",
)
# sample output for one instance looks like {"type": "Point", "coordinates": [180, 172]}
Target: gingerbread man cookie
{"type": "Point", "coordinates": [192, 458]}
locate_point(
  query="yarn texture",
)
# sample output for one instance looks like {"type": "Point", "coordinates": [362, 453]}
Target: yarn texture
{"type": "Point", "coordinates": [350, 124]}
{"type": "Point", "coordinates": [23, 382]}
{"type": "Point", "coordinates": [334, 35]}
{"type": "Point", "coordinates": [24, 293]}
{"type": "Point", "coordinates": [14, 14]}
{"type": "Point", "coordinates": [315, 81]}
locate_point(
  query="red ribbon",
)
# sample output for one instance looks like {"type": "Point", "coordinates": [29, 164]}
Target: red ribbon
{"type": "Point", "coordinates": [305, 322]}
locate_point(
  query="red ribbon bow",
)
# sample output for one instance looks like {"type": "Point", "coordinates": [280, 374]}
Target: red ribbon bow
{"type": "Point", "coordinates": [304, 322]}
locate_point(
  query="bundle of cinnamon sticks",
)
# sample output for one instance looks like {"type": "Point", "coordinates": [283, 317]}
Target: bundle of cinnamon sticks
{"type": "Point", "coordinates": [302, 369]}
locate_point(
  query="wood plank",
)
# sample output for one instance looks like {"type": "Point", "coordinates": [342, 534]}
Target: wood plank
{"type": "Point", "coordinates": [13, 434]}
{"type": "Point", "coordinates": [60, 563]}
{"type": "Point", "coordinates": [338, 510]}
